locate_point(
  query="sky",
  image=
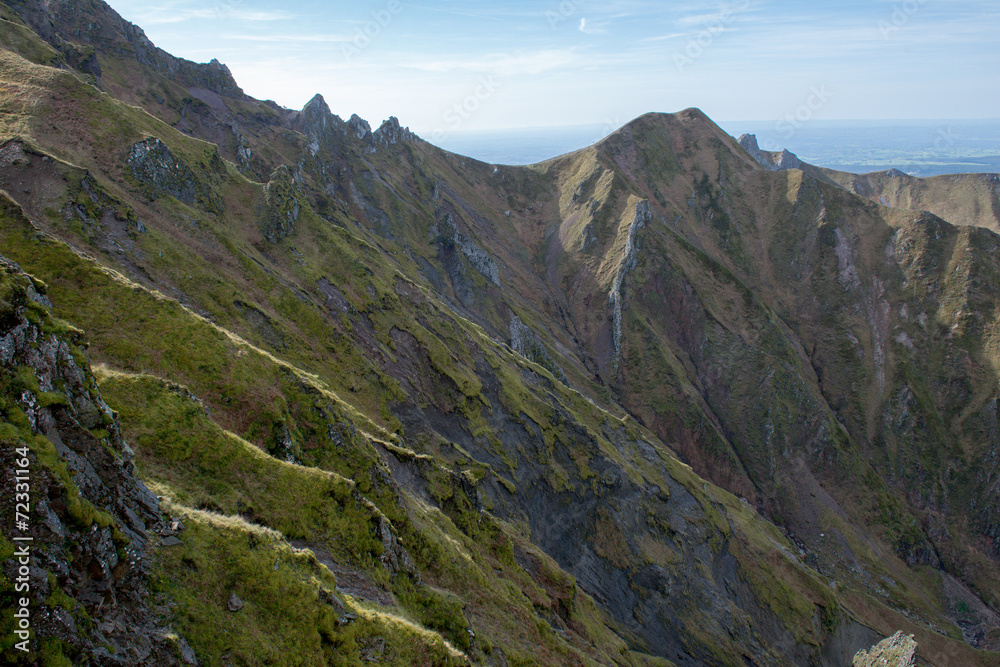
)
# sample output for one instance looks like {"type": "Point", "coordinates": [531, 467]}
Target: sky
{"type": "Point", "coordinates": [447, 66]}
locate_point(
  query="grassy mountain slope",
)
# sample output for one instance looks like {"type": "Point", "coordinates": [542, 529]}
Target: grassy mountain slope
{"type": "Point", "coordinates": [462, 393]}
{"type": "Point", "coordinates": [961, 199]}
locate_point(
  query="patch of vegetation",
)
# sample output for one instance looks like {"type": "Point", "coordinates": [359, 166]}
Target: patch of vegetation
{"type": "Point", "coordinates": [282, 614]}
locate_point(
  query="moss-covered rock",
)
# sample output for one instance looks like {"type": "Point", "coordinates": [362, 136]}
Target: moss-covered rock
{"type": "Point", "coordinates": [282, 205]}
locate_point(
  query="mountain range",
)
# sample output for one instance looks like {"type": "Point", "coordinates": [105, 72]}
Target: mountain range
{"type": "Point", "coordinates": [298, 391]}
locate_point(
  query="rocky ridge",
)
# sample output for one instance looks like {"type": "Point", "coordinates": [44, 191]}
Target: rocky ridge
{"type": "Point", "coordinates": [93, 522]}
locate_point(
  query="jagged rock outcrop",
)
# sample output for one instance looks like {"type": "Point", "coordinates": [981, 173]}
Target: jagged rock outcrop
{"type": "Point", "coordinates": [897, 651]}
{"type": "Point", "coordinates": [359, 126]}
{"type": "Point", "coordinates": [769, 160]}
{"type": "Point", "coordinates": [282, 205]}
{"type": "Point", "coordinates": [361, 130]}
{"type": "Point", "coordinates": [162, 174]}
{"type": "Point", "coordinates": [244, 153]}
{"type": "Point", "coordinates": [391, 133]}
{"type": "Point", "coordinates": [322, 126]}
{"type": "Point", "coordinates": [85, 562]}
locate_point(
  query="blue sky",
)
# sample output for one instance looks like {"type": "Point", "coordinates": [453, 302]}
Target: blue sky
{"type": "Point", "coordinates": [445, 66]}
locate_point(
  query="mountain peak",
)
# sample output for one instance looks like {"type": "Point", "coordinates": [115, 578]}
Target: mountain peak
{"type": "Point", "coordinates": [317, 106]}
{"type": "Point", "coordinates": [359, 126]}
{"type": "Point", "coordinates": [390, 132]}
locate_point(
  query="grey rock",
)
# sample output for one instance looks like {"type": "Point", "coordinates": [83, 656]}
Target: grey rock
{"type": "Point", "coordinates": [171, 541]}
{"type": "Point", "coordinates": [390, 133]}
{"type": "Point", "coordinates": [283, 204]}
{"type": "Point", "coordinates": [394, 557]}
{"type": "Point", "coordinates": [235, 603]}
{"type": "Point", "coordinates": [479, 258]}
{"type": "Point", "coordinates": [359, 127]}
{"type": "Point", "coordinates": [900, 650]}
{"type": "Point", "coordinates": [187, 653]}
{"type": "Point", "coordinates": [50, 519]}
{"type": "Point", "coordinates": [142, 648]}
{"type": "Point", "coordinates": [524, 341]}
{"type": "Point", "coordinates": [161, 173]}
{"type": "Point", "coordinates": [102, 577]}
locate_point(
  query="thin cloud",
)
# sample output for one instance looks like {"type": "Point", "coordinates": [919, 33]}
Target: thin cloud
{"type": "Point", "coordinates": [291, 39]}
{"type": "Point", "coordinates": [661, 38]}
{"type": "Point", "coordinates": [183, 15]}
{"type": "Point", "coordinates": [725, 14]}
{"type": "Point", "coordinates": [589, 28]}
{"type": "Point", "coordinates": [456, 12]}
{"type": "Point", "coordinates": [503, 64]}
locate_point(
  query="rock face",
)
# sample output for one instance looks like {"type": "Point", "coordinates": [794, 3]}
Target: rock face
{"type": "Point", "coordinates": [450, 236]}
{"type": "Point", "coordinates": [90, 516]}
{"type": "Point", "coordinates": [359, 126]}
{"type": "Point", "coordinates": [897, 651]}
{"type": "Point", "coordinates": [639, 220]}
{"type": "Point", "coordinates": [162, 174]}
{"type": "Point", "coordinates": [282, 205]}
{"type": "Point", "coordinates": [524, 341]}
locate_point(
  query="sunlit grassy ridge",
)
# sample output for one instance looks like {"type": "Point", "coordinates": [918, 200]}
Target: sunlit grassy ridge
{"type": "Point", "coordinates": [284, 618]}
